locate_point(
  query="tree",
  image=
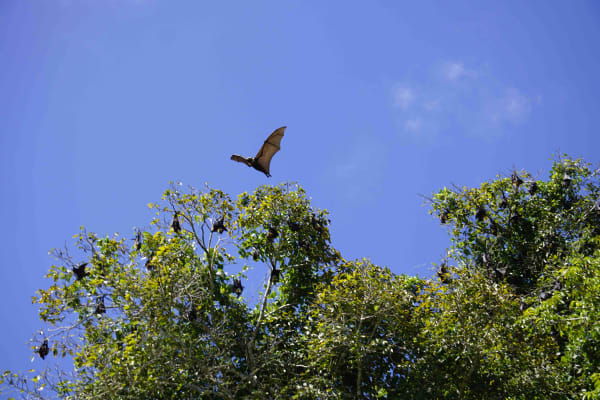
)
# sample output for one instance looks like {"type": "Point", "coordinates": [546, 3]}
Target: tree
{"type": "Point", "coordinates": [173, 327]}
{"type": "Point", "coordinates": [359, 340]}
{"type": "Point", "coordinates": [521, 314]}
{"type": "Point", "coordinates": [513, 313]}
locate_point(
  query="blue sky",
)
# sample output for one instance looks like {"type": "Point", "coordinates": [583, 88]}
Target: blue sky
{"type": "Point", "coordinates": [102, 103]}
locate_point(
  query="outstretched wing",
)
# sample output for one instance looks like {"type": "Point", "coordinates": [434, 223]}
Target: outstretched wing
{"type": "Point", "coordinates": [241, 159]}
{"type": "Point", "coordinates": [268, 149]}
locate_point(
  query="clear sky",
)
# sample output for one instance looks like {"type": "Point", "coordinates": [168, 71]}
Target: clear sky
{"type": "Point", "coordinates": [103, 102]}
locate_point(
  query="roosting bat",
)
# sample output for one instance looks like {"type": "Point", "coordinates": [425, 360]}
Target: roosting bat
{"type": "Point", "coordinates": [175, 223]}
{"type": "Point", "coordinates": [275, 275]}
{"type": "Point", "coordinates": [262, 160]}
{"type": "Point", "coordinates": [218, 226]}
{"type": "Point", "coordinates": [191, 314]}
{"type": "Point", "coordinates": [100, 307]}
{"type": "Point", "coordinates": [443, 273]}
{"type": "Point", "coordinates": [237, 287]}
{"type": "Point", "coordinates": [44, 350]}
{"type": "Point", "coordinates": [79, 271]}
{"type": "Point", "coordinates": [138, 241]}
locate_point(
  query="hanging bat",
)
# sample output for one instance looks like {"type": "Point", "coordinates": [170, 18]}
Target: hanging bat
{"type": "Point", "coordinates": [271, 234]}
{"type": "Point", "coordinates": [294, 226]}
{"type": "Point", "coordinates": [566, 180]}
{"type": "Point", "coordinates": [175, 223]}
{"type": "Point", "coordinates": [275, 275]}
{"type": "Point", "coordinates": [516, 180]}
{"type": "Point", "coordinates": [191, 313]}
{"type": "Point", "coordinates": [533, 188]}
{"type": "Point", "coordinates": [100, 307]}
{"type": "Point", "coordinates": [79, 271]}
{"type": "Point", "coordinates": [443, 273]}
{"type": "Point", "coordinates": [44, 350]}
{"type": "Point", "coordinates": [237, 287]}
{"type": "Point", "coordinates": [138, 241]}
{"type": "Point", "coordinates": [262, 161]}
{"type": "Point", "coordinates": [480, 214]}
{"type": "Point", "coordinates": [444, 217]}
{"type": "Point", "coordinates": [218, 226]}
{"type": "Point", "coordinates": [503, 202]}
{"type": "Point", "coordinates": [255, 255]}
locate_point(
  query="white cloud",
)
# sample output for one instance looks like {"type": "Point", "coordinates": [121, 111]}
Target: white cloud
{"type": "Point", "coordinates": [480, 105]}
{"type": "Point", "coordinates": [454, 70]}
{"type": "Point", "coordinates": [403, 97]}
{"type": "Point", "coordinates": [513, 107]}
{"type": "Point", "coordinates": [413, 125]}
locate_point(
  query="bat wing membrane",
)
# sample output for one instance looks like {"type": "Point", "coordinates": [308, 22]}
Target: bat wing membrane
{"type": "Point", "coordinates": [269, 148]}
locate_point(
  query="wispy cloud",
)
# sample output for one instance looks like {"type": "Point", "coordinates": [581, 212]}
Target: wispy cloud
{"type": "Point", "coordinates": [403, 96]}
{"type": "Point", "coordinates": [479, 105]}
{"type": "Point", "coordinates": [513, 107]}
{"type": "Point", "coordinates": [454, 70]}
{"type": "Point", "coordinates": [413, 125]}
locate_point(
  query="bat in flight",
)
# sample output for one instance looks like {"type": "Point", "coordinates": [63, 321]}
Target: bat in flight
{"type": "Point", "coordinates": [262, 160]}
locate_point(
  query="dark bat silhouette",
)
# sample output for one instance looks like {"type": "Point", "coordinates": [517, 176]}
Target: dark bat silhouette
{"type": "Point", "coordinates": [79, 271]}
{"type": "Point", "coordinates": [100, 307]}
{"type": "Point", "coordinates": [516, 180]}
{"type": "Point", "coordinates": [262, 161]}
{"type": "Point", "coordinates": [191, 314]}
{"type": "Point", "coordinates": [271, 234]}
{"type": "Point", "coordinates": [275, 275]}
{"type": "Point", "coordinates": [294, 226]}
{"type": "Point", "coordinates": [138, 241]}
{"type": "Point", "coordinates": [533, 188]}
{"type": "Point", "coordinates": [480, 214]}
{"type": "Point", "coordinates": [443, 273]}
{"type": "Point", "coordinates": [218, 226]}
{"type": "Point", "coordinates": [237, 287]}
{"type": "Point", "coordinates": [566, 180]}
{"type": "Point", "coordinates": [175, 223]}
{"type": "Point", "coordinates": [444, 217]}
{"type": "Point", "coordinates": [44, 350]}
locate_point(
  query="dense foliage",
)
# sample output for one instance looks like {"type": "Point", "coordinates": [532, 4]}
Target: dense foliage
{"type": "Point", "coordinates": [512, 314]}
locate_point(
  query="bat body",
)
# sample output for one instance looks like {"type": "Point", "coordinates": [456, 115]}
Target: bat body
{"type": "Point", "coordinates": [275, 275]}
{"type": "Point", "coordinates": [100, 307]}
{"type": "Point", "coordinates": [218, 226]}
{"type": "Point", "coordinates": [271, 234]}
{"type": "Point", "coordinates": [138, 241]}
{"type": "Point", "coordinates": [175, 223]}
{"type": "Point", "coordinates": [443, 273]}
{"type": "Point", "coordinates": [44, 350]}
{"type": "Point", "coordinates": [191, 314]}
{"type": "Point", "coordinates": [79, 271]}
{"type": "Point", "coordinates": [262, 161]}
{"type": "Point", "coordinates": [237, 287]}
{"type": "Point", "coordinates": [480, 214]}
